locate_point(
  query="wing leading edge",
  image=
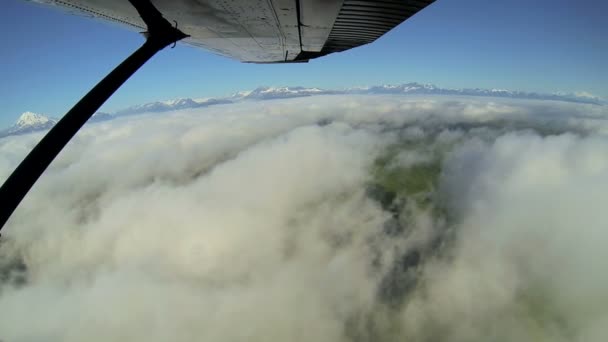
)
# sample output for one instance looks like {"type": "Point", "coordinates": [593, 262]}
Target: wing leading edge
{"type": "Point", "coordinates": [264, 31]}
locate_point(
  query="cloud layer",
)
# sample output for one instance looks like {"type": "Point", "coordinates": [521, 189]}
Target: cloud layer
{"type": "Point", "coordinates": [339, 218]}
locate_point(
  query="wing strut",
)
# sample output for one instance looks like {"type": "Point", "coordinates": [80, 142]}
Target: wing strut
{"type": "Point", "coordinates": [159, 35]}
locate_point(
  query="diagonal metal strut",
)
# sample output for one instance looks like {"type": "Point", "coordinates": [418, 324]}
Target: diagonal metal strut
{"type": "Point", "coordinates": [159, 35]}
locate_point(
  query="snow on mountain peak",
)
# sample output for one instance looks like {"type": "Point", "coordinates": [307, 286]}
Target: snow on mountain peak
{"type": "Point", "coordinates": [243, 93]}
{"type": "Point", "coordinates": [29, 122]}
{"type": "Point", "coordinates": [172, 102]}
{"type": "Point", "coordinates": [32, 119]}
{"type": "Point", "coordinates": [584, 94]}
{"type": "Point", "coordinates": [267, 93]}
{"type": "Point", "coordinates": [178, 102]}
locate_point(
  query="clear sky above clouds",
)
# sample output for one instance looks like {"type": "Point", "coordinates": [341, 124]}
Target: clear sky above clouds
{"type": "Point", "coordinates": [49, 59]}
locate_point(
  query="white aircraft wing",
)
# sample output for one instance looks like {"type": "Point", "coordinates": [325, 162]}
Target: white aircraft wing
{"type": "Point", "coordinates": [264, 31]}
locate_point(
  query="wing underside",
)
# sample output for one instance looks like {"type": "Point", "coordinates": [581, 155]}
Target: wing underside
{"type": "Point", "coordinates": [264, 31]}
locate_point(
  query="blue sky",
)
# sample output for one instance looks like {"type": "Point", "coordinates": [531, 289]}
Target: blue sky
{"type": "Point", "coordinates": [50, 59]}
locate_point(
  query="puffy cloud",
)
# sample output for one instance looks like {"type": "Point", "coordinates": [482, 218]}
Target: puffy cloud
{"type": "Point", "coordinates": [335, 218]}
{"type": "Point", "coordinates": [528, 257]}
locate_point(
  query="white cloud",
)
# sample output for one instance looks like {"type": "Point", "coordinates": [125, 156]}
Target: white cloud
{"type": "Point", "coordinates": [255, 222]}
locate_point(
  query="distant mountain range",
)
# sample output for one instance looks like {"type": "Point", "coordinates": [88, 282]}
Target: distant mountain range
{"type": "Point", "coordinates": [165, 106]}
{"type": "Point", "coordinates": [268, 93]}
{"type": "Point", "coordinates": [429, 89]}
{"type": "Point", "coordinates": [31, 122]}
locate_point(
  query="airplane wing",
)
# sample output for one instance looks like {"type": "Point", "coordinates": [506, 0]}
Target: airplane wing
{"type": "Point", "coordinates": [264, 31]}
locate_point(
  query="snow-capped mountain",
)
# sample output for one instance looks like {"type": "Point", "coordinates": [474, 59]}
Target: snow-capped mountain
{"type": "Point", "coordinates": [411, 88]}
{"type": "Point", "coordinates": [101, 116]}
{"type": "Point", "coordinates": [165, 106]}
{"type": "Point", "coordinates": [269, 93]}
{"type": "Point", "coordinates": [29, 122]}
{"type": "Point", "coordinates": [429, 89]}
{"type": "Point", "coordinates": [241, 94]}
